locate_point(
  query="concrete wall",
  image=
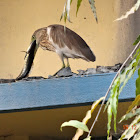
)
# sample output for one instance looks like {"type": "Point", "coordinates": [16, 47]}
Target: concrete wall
{"type": "Point", "coordinates": [110, 41]}
{"type": "Point", "coordinates": [127, 30]}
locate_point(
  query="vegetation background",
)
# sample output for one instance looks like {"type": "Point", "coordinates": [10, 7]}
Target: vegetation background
{"type": "Point", "coordinates": [122, 77]}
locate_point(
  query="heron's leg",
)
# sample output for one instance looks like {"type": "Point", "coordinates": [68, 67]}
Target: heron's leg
{"type": "Point", "coordinates": [63, 66]}
{"type": "Point", "coordinates": [68, 64]}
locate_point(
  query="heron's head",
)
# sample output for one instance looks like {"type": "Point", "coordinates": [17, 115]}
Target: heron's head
{"type": "Point", "coordinates": [33, 45]}
{"type": "Point", "coordinates": [38, 35]}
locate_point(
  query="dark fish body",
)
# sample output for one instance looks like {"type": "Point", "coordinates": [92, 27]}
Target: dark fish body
{"type": "Point", "coordinates": [29, 58]}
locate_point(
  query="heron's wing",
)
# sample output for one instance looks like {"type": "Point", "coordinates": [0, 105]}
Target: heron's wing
{"type": "Point", "coordinates": [72, 40]}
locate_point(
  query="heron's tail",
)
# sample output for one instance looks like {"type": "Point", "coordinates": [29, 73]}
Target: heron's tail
{"type": "Point", "coordinates": [29, 58]}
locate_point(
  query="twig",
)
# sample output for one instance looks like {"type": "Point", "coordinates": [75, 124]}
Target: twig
{"type": "Point", "coordinates": [131, 54]}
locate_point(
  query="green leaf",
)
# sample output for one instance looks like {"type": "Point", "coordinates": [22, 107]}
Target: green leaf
{"type": "Point", "coordinates": [138, 83]}
{"type": "Point", "coordinates": [109, 111]}
{"type": "Point", "coordinates": [130, 115]}
{"type": "Point", "coordinates": [89, 138]}
{"type": "Point", "coordinates": [78, 5]}
{"type": "Point", "coordinates": [76, 124]}
{"type": "Point", "coordinates": [137, 52]}
{"type": "Point", "coordinates": [137, 40]}
{"type": "Point", "coordinates": [131, 11]}
{"type": "Point", "coordinates": [118, 85]}
{"type": "Point", "coordinates": [113, 103]}
{"type": "Point", "coordinates": [114, 98]}
{"type": "Point", "coordinates": [126, 71]}
{"type": "Point", "coordinates": [116, 89]}
{"type": "Point", "coordinates": [93, 8]}
{"type": "Point", "coordinates": [66, 11]}
{"type": "Point", "coordinates": [87, 117]}
{"type": "Point", "coordinates": [129, 75]}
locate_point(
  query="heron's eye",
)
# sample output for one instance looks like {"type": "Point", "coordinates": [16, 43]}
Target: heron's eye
{"type": "Point", "coordinates": [33, 37]}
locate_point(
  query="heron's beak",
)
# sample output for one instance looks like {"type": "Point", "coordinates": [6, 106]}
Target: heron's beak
{"type": "Point", "coordinates": [29, 57]}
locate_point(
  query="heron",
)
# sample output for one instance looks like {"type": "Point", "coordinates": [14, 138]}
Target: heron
{"type": "Point", "coordinates": [60, 39]}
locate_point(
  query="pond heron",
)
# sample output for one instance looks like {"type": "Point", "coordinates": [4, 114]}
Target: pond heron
{"type": "Point", "coordinates": [57, 38]}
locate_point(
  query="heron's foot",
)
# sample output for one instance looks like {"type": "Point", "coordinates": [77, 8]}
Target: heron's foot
{"type": "Point", "coordinates": [59, 71]}
{"type": "Point", "coordinates": [64, 72]}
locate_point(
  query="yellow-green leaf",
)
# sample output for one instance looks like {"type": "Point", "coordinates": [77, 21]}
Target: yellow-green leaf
{"type": "Point", "coordinates": [78, 5]}
{"type": "Point", "coordinates": [87, 117]}
{"type": "Point", "coordinates": [138, 84]}
{"type": "Point", "coordinates": [109, 112]}
{"type": "Point", "coordinates": [76, 124]}
{"type": "Point", "coordinates": [130, 115]}
{"type": "Point", "coordinates": [137, 40]}
{"type": "Point", "coordinates": [134, 103]}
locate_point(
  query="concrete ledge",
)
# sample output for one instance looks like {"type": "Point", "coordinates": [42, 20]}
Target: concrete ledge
{"type": "Point", "coordinates": [59, 93]}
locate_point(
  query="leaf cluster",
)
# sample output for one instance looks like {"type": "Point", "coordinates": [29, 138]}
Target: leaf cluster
{"type": "Point", "coordinates": [134, 128]}
{"type": "Point", "coordinates": [81, 126]}
{"type": "Point", "coordinates": [119, 84]}
{"type": "Point", "coordinates": [67, 6]}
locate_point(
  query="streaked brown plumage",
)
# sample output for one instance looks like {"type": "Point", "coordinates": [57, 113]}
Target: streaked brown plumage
{"type": "Point", "coordinates": [65, 42]}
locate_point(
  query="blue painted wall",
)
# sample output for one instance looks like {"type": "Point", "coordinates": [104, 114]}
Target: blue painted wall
{"type": "Point", "coordinates": [61, 92]}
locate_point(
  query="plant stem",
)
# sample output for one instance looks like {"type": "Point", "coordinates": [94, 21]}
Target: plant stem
{"type": "Point", "coordinates": [131, 54]}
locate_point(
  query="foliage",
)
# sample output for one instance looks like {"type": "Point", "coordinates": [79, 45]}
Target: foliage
{"type": "Point", "coordinates": [134, 127]}
{"type": "Point", "coordinates": [133, 111]}
{"type": "Point", "coordinates": [87, 117]}
{"type": "Point", "coordinates": [124, 76]}
{"type": "Point", "coordinates": [138, 84]}
{"type": "Point", "coordinates": [82, 125]}
{"type": "Point", "coordinates": [67, 6]}
{"type": "Point", "coordinates": [118, 86]}
{"type": "Point", "coordinates": [137, 40]}
{"type": "Point", "coordinates": [118, 83]}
